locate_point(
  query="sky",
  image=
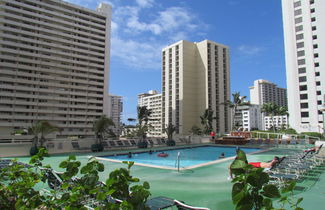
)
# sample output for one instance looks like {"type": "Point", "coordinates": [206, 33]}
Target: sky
{"type": "Point", "coordinates": [141, 28]}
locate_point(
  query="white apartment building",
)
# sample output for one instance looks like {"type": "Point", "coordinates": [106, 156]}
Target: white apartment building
{"type": "Point", "coordinates": [248, 117]}
{"type": "Point", "coordinates": [152, 100]}
{"type": "Point", "coordinates": [279, 122]}
{"type": "Point", "coordinates": [304, 39]}
{"type": "Point", "coordinates": [115, 112]}
{"type": "Point", "coordinates": [54, 65]}
{"type": "Point", "coordinates": [195, 77]}
{"type": "Point", "coordinates": [265, 91]}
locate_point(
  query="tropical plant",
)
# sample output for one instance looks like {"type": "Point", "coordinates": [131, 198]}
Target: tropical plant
{"type": "Point", "coordinates": [40, 130]}
{"type": "Point", "coordinates": [206, 121]}
{"type": "Point", "coordinates": [169, 130]}
{"type": "Point", "coordinates": [283, 111]}
{"type": "Point", "coordinates": [102, 128]}
{"type": "Point", "coordinates": [196, 130]}
{"type": "Point", "coordinates": [143, 118]}
{"type": "Point", "coordinates": [270, 109]}
{"type": "Point", "coordinates": [18, 186]}
{"type": "Point", "coordinates": [252, 190]}
{"type": "Point", "coordinates": [238, 100]}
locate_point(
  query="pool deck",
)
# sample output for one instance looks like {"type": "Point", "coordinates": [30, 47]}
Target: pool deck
{"type": "Point", "coordinates": [205, 186]}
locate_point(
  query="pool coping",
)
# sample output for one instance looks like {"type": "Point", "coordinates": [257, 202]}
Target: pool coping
{"type": "Point", "coordinates": [182, 168]}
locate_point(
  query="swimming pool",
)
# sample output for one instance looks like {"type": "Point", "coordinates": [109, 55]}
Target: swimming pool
{"type": "Point", "coordinates": [188, 157]}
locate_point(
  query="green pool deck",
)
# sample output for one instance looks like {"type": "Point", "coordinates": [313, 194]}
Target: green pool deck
{"type": "Point", "coordinates": [206, 186]}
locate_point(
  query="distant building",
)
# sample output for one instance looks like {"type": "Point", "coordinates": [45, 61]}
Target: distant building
{"type": "Point", "coordinates": [304, 39]}
{"type": "Point", "coordinates": [115, 112]}
{"type": "Point", "coordinates": [265, 91]}
{"type": "Point", "coordinates": [279, 122]}
{"type": "Point", "coordinates": [195, 77]}
{"type": "Point", "coordinates": [152, 100]}
{"type": "Point", "coordinates": [54, 65]}
{"type": "Point", "coordinates": [248, 117]}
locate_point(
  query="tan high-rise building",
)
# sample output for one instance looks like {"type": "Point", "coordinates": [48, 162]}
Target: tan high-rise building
{"type": "Point", "coordinates": [115, 112]}
{"type": "Point", "coordinates": [195, 77]}
{"type": "Point", "coordinates": [54, 65]}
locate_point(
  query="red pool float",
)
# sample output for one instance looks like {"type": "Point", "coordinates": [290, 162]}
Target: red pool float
{"type": "Point", "coordinates": [162, 155]}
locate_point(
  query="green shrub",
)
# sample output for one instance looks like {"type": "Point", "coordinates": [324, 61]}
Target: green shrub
{"type": "Point", "coordinates": [313, 134]}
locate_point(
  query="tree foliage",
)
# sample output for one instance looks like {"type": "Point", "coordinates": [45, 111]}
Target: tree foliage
{"type": "Point", "coordinates": [18, 186]}
{"type": "Point", "coordinates": [102, 128]}
{"type": "Point", "coordinates": [207, 120]}
{"type": "Point", "coordinates": [40, 130]}
{"type": "Point", "coordinates": [252, 189]}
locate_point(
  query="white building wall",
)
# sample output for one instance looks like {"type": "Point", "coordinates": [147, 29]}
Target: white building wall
{"type": "Point", "coordinates": [304, 38]}
{"type": "Point", "coordinates": [152, 100]}
{"type": "Point", "coordinates": [279, 122]}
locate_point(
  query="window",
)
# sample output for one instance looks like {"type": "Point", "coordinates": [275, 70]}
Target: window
{"type": "Point", "coordinates": [319, 102]}
{"type": "Point", "coordinates": [297, 12]}
{"type": "Point", "coordinates": [313, 19]}
{"type": "Point", "coordinates": [304, 105]}
{"type": "Point", "coordinates": [316, 64]}
{"type": "Point", "coordinates": [312, 10]}
{"type": "Point", "coordinates": [300, 53]}
{"type": "Point", "coordinates": [299, 36]}
{"type": "Point", "coordinates": [303, 96]}
{"type": "Point", "coordinates": [317, 74]}
{"type": "Point", "coordinates": [313, 28]}
{"type": "Point", "coordinates": [301, 61]}
{"type": "Point", "coordinates": [304, 114]}
{"type": "Point", "coordinates": [297, 4]}
{"type": "Point", "coordinates": [319, 93]}
{"type": "Point", "coordinates": [302, 87]}
{"type": "Point", "coordinates": [302, 70]}
{"type": "Point", "coordinates": [315, 46]}
{"type": "Point", "coordinates": [300, 45]}
{"type": "Point", "coordinates": [311, 1]}
{"type": "Point", "coordinates": [318, 83]}
{"type": "Point", "coordinates": [299, 28]}
{"type": "Point", "coordinates": [316, 55]}
{"type": "Point", "coordinates": [298, 20]}
{"type": "Point", "coordinates": [314, 37]}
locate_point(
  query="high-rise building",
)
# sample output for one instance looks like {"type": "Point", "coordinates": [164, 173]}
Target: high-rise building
{"type": "Point", "coordinates": [265, 91]}
{"type": "Point", "coordinates": [152, 100]}
{"type": "Point", "coordinates": [54, 65]}
{"type": "Point", "coordinates": [304, 39]}
{"type": "Point", "coordinates": [248, 117]}
{"type": "Point", "coordinates": [115, 112]}
{"type": "Point", "coordinates": [195, 77]}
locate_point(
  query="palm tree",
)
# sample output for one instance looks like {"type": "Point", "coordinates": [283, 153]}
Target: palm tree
{"type": "Point", "coordinates": [283, 111]}
{"type": "Point", "coordinates": [101, 128]}
{"type": "Point", "coordinates": [270, 109]}
{"type": "Point", "coordinates": [238, 100]}
{"type": "Point", "coordinates": [206, 120]}
{"type": "Point", "coordinates": [42, 129]}
{"type": "Point", "coordinates": [169, 130]}
{"type": "Point", "coordinates": [143, 118]}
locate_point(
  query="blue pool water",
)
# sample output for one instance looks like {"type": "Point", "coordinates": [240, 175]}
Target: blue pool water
{"type": "Point", "coordinates": [188, 156]}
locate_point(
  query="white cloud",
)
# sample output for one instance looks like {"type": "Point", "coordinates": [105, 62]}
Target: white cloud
{"type": "Point", "coordinates": [145, 3]}
{"type": "Point", "coordinates": [250, 50]}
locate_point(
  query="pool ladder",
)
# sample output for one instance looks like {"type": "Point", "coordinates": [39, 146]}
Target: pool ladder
{"type": "Point", "coordinates": [178, 160]}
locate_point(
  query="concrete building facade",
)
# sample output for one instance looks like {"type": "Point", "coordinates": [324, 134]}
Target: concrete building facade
{"type": "Point", "coordinates": [248, 117]}
{"type": "Point", "coordinates": [54, 65]}
{"type": "Point", "coordinates": [152, 100]}
{"type": "Point", "coordinates": [115, 112]}
{"type": "Point", "coordinates": [265, 91]}
{"type": "Point", "coordinates": [195, 77]}
{"type": "Point", "coordinates": [304, 39]}
{"type": "Point", "coordinates": [279, 122]}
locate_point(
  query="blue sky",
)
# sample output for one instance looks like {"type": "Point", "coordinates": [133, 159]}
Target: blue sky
{"type": "Point", "coordinates": [141, 28]}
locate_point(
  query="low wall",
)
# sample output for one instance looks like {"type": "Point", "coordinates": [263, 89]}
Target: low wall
{"type": "Point", "coordinates": [53, 147]}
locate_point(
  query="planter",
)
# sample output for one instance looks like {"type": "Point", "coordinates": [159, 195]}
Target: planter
{"type": "Point", "coordinates": [142, 144]}
{"type": "Point", "coordinates": [33, 150]}
{"type": "Point", "coordinates": [170, 143]}
{"type": "Point", "coordinates": [97, 147]}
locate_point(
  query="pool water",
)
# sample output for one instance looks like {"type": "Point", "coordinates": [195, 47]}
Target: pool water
{"type": "Point", "coordinates": [188, 156]}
